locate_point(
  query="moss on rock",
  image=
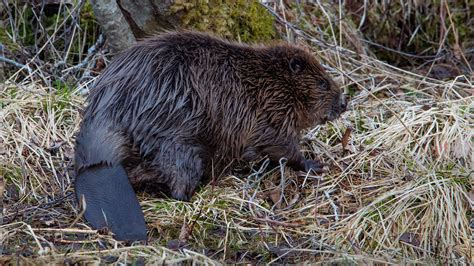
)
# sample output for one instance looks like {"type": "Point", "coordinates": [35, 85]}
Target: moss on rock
{"type": "Point", "coordinates": [247, 21]}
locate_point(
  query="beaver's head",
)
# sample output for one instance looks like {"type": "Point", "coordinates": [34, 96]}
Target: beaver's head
{"type": "Point", "coordinates": [304, 86]}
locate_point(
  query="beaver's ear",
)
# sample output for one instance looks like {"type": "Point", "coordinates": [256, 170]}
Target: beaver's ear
{"type": "Point", "coordinates": [296, 66]}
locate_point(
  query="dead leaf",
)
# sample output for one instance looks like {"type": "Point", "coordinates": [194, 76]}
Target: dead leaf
{"type": "Point", "coordinates": [99, 66]}
{"type": "Point", "coordinates": [274, 196]}
{"type": "Point", "coordinates": [177, 244]}
{"type": "Point", "coordinates": [457, 51]}
{"type": "Point", "coordinates": [186, 231]}
{"type": "Point", "coordinates": [294, 199]}
{"type": "Point", "coordinates": [345, 137]}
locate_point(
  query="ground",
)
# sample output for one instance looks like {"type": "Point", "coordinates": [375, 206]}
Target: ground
{"type": "Point", "coordinates": [397, 190]}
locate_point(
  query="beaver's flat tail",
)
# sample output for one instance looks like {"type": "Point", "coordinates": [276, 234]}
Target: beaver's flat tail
{"type": "Point", "coordinates": [102, 182]}
{"type": "Point", "coordinates": [111, 202]}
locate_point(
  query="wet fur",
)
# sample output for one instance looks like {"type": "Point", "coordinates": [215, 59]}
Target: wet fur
{"type": "Point", "coordinates": [176, 106]}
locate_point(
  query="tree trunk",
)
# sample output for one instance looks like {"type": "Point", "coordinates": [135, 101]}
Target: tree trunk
{"type": "Point", "coordinates": [116, 28]}
{"type": "Point", "coordinates": [125, 21]}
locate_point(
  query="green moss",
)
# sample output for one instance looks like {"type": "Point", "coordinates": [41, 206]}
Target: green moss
{"type": "Point", "coordinates": [6, 41]}
{"type": "Point", "coordinates": [8, 94]}
{"type": "Point", "coordinates": [359, 123]}
{"type": "Point", "coordinates": [242, 20]}
{"type": "Point", "coordinates": [11, 174]}
{"type": "Point", "coordinates": [352, 90]}
{"type": "Point", "coordinates": [369, 141]}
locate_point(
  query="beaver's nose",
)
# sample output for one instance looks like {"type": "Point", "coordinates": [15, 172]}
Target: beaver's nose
{"type": "Point", "coordinates": [342, 103]}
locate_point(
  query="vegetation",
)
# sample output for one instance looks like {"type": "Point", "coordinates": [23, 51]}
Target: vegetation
{"type": "Point", "coordinates": [241, 20]}
{"type": "Point", "coordinates": [399, 185]}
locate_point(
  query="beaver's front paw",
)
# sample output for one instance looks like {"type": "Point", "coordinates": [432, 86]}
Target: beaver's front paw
{"type": "Point", "coordinates": [313, 165]}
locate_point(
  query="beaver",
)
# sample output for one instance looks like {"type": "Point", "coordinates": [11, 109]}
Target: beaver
{"type": "Point", "coordinates": [177, 107]}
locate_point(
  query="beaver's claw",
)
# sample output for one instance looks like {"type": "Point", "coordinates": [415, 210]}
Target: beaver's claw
{"type": "Point", "coordinates": [313, 165]}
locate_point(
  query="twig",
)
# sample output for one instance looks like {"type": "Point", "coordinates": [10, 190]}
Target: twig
{"type": "Point", "coordinates": [436, 56]}
{"type": "Point", "coordinates": [282, 162]}
{"type": "Point", "coordinates": [82, 207]}
{"type": "Point", "coordinates": [316, 202]}
{"type": "Point", "coordinates": [9, 61]}
{"type": "Point", "coordinates": [66, 230]}
{"type": "Point", "coordinates": [279, 223]}
{"type": "Point", "coordinates": [43, 205]}
{"type": "Point", "coordinates": [90, 53]}
{"type": "Point", "coordinates": [333, 205]}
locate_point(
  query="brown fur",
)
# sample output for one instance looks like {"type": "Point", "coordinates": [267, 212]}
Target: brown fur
{"type": "Point", "coordinates": [176, 106]}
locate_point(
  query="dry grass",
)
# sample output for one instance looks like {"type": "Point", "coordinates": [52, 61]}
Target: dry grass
{"type": "Point", "coordinates": [398, 191]}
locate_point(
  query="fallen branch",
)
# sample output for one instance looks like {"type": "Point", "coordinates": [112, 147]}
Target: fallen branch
{"type": "Point", "coordinates": [11, 62]}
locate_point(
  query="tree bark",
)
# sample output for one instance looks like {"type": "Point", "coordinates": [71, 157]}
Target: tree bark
{"type": "Point", "coordinates": [116, 28]}
{"type": "Point", "coordinates": [126, 21]}
{"type": "Point", "coordinates": [148, 17]}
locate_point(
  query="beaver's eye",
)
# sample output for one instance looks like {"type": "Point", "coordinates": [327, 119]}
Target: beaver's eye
{"type": "Point", "coordinates": [296, 66]}
{"type": "Point", "coordinates": [323, 84]}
